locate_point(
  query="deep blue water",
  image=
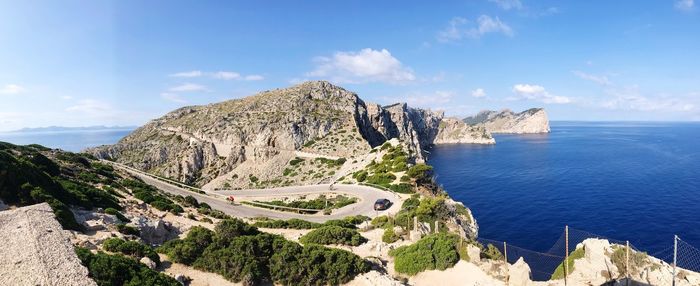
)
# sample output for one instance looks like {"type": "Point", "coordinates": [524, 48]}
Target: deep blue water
{"type": "Point", "coordinates": [628, 181]}
{"type": "Point", "coordinates": [74, 141]}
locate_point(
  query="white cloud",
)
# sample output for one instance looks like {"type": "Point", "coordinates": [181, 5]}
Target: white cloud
{"type": "Point", "coordinates": [599, 79]}
{"type": "Point", "coordinates": [479, 92]}
{"type": "Point", "coordinates": [537, 93]}
{"type": "Point", "coordinates": [458, 29]}
{"type": "Point", "coordinates": [172, 97]}
{"type": "Point", "coordinates": [11, 89]}
{"type": "Point", "coordinates": [685, 5]}
{"type": "Point", "coordinates": [194, 73]}
{"type": "Point", "coordinates": [226, 75]}
{"type": "Point", "coordinates": [508, 4]}
{"type": "Point", "coordinates": [254, 77]}
{"type": "Point", "coordinates": [66, 97]}
{"type": "Point", "coordinates": [631, 98]}
{"type": "Point", "coordinates": [90, 106]}
{"type": "Point", "coordinates": [366, 65]}
{"type": "Point", "coordinates": [188, 87]}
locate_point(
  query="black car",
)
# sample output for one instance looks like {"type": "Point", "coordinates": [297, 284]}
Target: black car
{"type": "Point", "coordinates": [382, 204]}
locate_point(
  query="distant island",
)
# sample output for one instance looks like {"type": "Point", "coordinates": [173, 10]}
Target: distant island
{"type": "Point", "coordinates": [66, 128]}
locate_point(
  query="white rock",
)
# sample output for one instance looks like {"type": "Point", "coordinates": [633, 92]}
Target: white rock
{"type": "Point", "coordinates": [474, 253]}
{"type": "Point", "coordinates": [148, 262]}
{"type": "Point", "coordinates": [519, 273]}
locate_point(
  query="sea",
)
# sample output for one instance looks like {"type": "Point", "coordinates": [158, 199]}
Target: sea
{"type": "Point", "coordinates": [68, 140]}
{"type": "Point", "coordinates": [628, 181]}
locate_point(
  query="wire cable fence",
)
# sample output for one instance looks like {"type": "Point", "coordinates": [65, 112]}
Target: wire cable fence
{"type": "Point", "coordinates": [543, 265]}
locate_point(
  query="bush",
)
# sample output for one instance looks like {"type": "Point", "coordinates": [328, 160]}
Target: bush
{"type": "Point", "coordinates": [333, 235]}
{"type": "Point", "coordinates": [637, 260]}
{"type": "Point", "coordinates": [242, 254]}
{"type": "Point", "coordinates": [116, 213]}
{"type": "Point", "coordinates": [435, 251]}
{"type": "Point", "coordinates": [420, 171]}
{"type": "Point", "coordinates": [291, 224]}
{"type": "Point", "coordinates": [491, 252]}
{"type": "Point", "coordinates": [107, 270]}
{"type": "Point", "coordinates": [389, 235]}
{"type": "Point", "coordinates": [187, 250]}
{"type": "Point", "coordinates": [576, 254]}
{"type": "Point", "coordinates": [361, 176]}
{"type": "Point", "coordinates": [131, 248]}
{"type": "Point", "coordinates": [402, 188]}
{"type": "Point", "coordinates": [380, 221]}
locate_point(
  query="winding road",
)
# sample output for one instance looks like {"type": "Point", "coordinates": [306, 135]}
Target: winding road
{"type": "Point", "coordinates": [217, 199]}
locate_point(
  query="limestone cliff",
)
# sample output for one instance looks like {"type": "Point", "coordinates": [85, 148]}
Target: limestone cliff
{"type": "Point", "coordinates": [250, 140]}
{"type": "Point", "coordinates": [533, 120]}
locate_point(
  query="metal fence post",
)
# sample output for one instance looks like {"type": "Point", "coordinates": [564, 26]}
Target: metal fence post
{"type": "Point", "coordinates": [675, 252]}
{"type": "Point", "coordinates": [627, 264]}
{"type": "Point", "coordinates": [566, 257]}
{"type": "Point", "coordinates": [505, 259]}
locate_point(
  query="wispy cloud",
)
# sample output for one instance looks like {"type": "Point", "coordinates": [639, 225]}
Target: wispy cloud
{"type": "Point", "coordinates": [479, 92]}
{"type": "Point", "coordinates": [599, 79]}
{"type": "Point", "coordinates": [537, 93]}
{"type": "Point", "coordinates": [508, 4]}
{"type": "Point", "coordinates": [684, 5]}
{"type": "Point", "coordinates": [11, 89]}
{"type": "Point", "coordinates": [90, 106]}
{"type": "Point", "coordinates": [366, 65]}
{"type": "Point", "coordinates": [194, 73]}
{"type": "Point", "coordinates": [632, 98]}
{"type": "Point", "coordinates": [188, 87]}
{"type": "Point", "coordinates": [460, 28]}
{"type": "Point", "coordinates": [224, 75]}
{"type": "Point", "coordinates": [172, 97]}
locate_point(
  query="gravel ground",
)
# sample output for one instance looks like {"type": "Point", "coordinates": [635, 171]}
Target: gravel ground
{"type": "Point", "coordinates": [36, 250]}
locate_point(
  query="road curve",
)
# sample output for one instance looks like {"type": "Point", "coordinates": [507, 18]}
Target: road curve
{"type": "Point", "coordinates": [217, 200]}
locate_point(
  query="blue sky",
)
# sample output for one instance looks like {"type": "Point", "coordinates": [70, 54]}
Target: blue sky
{"type": "Point", "coordinates": [77, 63]}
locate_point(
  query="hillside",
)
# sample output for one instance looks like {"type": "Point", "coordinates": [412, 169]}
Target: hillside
{"type": "Point", "coordinates": [246, 143]}
{"type": "Point", "coordinates": [533, 120]}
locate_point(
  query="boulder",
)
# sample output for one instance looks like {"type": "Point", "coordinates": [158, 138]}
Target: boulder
{"type": "Point", "coordinates": [182, 279]}
{"type": "Point", "coordinates": [474, 253]}
{"type": "Point", "coordinates": [148, 262]}
{"type": "Point", "coordinates": [519, 273]}
{"type": "Point", "coordinates": [155, 231]}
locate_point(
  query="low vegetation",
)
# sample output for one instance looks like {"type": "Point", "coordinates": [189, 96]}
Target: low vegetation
{"type": "Point", "coordinates": [333, 235]}
{"type": "Point", "coordinates": [350, 222]}
{"type": "Point", "coordinates": [150, 195]}
{"type": "Point", "coordinates": [319, 203]}
{"type": "Point", "coordinates": [240, 253]}
{"type": "Point", "coordinates": [637, 260]}
{"type": "Point", "coordinates": [34, 174]}
{"type": "Point", "coordinates": [559, 271]}
{"type": "Point", "coordinates": [107, 270]}
{"type": "Point", "coordinates": [435, 251]}
{"type": "Point", "coordinates": [131, 248]}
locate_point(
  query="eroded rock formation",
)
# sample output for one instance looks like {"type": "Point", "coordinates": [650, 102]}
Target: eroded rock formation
{"type": "Point", "coordinates": [533, 120]}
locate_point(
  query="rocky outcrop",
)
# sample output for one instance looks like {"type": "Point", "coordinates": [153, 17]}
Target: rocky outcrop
{"type": "Point", "coordinates": [36, 250]}
{"type": "Point", "coordinates": [529, 121]}
{"type": "Point", "coordinates": [155, 231]}
{"type": "Point", "coordinates": [198, 144]}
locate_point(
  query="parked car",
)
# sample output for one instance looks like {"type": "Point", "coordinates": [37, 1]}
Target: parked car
{"type": "Point", "coordinates": [382, 204]}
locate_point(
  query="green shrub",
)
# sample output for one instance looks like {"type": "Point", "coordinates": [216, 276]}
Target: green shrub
{"type": "Point", "coordinates": [291, 224]}
{"type": "Point", "coordinates": [361, 176]}
{"type": "Point", "coordinates": [637, 260]}
{"type": "Point", "coordinates": [107, 270]}
{"type": "Point", "coordinates": [435, 251]}
{"type": "Point", "coordinates": [491, 252]}
{"type": "Point", "coordinates": [402, 188]}
{"type": "Point", "coordinates": [380, 221]}
{"type": "Point", "coordinates": [333, 235]}
{"type": "Point", "coordinates": [559, 272]}
{"type": "Point", "coordinates": [187, 250]}
{"type": "Point", "coordinates": [296, 161]}
{"type": "Point", "coordinates": [389, 235]}
{"type": "Point", "coordinates": [420, 171]}
{"type": "Point", "coordinates": [131, 248]}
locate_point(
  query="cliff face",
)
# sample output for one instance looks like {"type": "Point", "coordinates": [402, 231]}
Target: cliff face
{"type": "Point", "coordinates": [529, 121]}
{"type": "Point", "coordinates": [256, 136]}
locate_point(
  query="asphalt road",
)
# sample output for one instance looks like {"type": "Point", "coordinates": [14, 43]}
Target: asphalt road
{"type": "Point", "coordinates": [217, 199]}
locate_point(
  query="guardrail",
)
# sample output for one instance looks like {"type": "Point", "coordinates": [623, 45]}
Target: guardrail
{"type": "Point", "coordinates": [180, 184]}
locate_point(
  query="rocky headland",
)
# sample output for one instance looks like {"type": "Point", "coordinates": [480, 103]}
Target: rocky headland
{"type": "Point", "coordinates": [533, 120]}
